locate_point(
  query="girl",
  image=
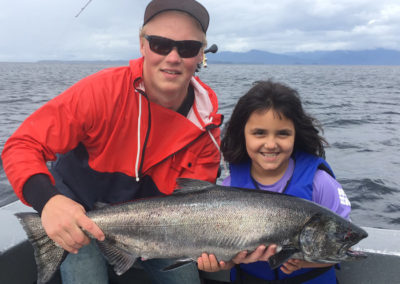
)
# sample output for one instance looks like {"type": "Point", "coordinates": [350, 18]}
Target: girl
{"type": "Point", "coordinates": [272, 144]}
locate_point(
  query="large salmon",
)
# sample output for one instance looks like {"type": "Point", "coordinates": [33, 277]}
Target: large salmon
{"type": "Point", "coordinates": [203, 217]}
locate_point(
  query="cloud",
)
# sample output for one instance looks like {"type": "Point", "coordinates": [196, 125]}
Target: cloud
{"type": "Point", "coordinates": [49, 30]}
{"type": "Point", "coordinates": [313, 25]}
{"type": "Point", "coordinates": [108, 30]}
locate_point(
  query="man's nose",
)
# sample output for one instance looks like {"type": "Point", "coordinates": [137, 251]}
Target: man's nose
{"type": "Point", "coordinates": [173, 55]}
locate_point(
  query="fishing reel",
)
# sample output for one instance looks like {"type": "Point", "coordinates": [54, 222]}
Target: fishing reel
{"type": "Point", "coordinates": [213, 49]}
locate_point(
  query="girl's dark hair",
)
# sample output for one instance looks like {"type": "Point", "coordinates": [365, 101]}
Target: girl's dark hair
{"type": "Point", "coordinates": [263, 96]}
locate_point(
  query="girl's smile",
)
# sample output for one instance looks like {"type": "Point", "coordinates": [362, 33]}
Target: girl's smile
{"type": "Point", "coordinates": [269, 140]}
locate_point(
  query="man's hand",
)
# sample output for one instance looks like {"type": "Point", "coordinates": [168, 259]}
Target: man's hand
{"type": "Point", "coordinates": [64, 219]}
{"type": "Point", "coordinates": [209, 263]}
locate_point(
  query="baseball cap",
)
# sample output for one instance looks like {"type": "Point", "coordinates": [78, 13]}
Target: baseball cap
{"type": "Point", "coordinates": [192, 7]}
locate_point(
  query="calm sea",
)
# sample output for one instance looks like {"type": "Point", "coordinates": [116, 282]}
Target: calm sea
{"type": "Point", "coordinates": [359, 107]}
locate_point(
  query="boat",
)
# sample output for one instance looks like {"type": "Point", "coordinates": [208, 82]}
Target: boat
{"type": "Point", "coordinates": [18, 266]}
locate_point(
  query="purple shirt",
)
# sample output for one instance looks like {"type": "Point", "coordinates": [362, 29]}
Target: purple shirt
{"type": "Point", "coordinates": [327, 191]}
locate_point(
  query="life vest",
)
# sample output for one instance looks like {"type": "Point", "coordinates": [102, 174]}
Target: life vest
{"type": "Point", "coordinates": [300, 185]}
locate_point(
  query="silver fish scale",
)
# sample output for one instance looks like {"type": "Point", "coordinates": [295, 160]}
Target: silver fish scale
{"type": "Point", "coordinates": [183, 225]}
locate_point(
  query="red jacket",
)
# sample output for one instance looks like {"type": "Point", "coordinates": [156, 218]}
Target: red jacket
{"type": "Point", "coordinates": [102, 113]}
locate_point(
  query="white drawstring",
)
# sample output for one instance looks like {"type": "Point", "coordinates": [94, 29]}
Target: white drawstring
{"type": "Point", "coordinates": [138, 137]}
{"type": "Point", "coordinates": [213, 140]}
{"type": "Point", "coordinates": [219, 150]}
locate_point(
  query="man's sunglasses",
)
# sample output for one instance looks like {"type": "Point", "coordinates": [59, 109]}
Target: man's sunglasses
{"type": "Point", "coordinates": [163, 46]}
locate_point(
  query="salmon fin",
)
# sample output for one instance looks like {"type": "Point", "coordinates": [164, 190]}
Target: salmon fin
{"type": "Point", "coordinates": [186, 185]}
{"type": "Point", "coordinates": [281, 257]}
{"type": "Point", "coordinates": [178, 264]}
{"type": "Point", "coordinates": [120, 259]}
{"type": "Point", "coordinates": [48, 255]}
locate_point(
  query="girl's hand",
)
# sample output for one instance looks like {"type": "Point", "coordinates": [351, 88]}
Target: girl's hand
{"type": "Point", "coordinates": [209, 263]}
{"type": "Point", "coordinates": [262, 253]}
{"type": "Point", "coordinates": [295, 264]}
{"type": "Point", "coordinates": [292, 265]}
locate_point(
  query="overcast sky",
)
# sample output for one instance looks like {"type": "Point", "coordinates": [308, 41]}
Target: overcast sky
{"type": "Point", "coordinates": [33, 30]}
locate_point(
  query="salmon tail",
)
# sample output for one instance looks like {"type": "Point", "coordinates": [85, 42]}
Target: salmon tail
{"type": "Point", "coordinates": [48, 255]}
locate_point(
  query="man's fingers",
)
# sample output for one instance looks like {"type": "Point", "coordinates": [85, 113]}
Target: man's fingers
{"type": "Point", "coordinates": [61, 243]}
{"type": "Point", "coordinates": [65, 221]}
{"type": "Point", "coordinates": [89, 226]}
{"type": "Point", "coordinates": [77, 237]}
{"type": "Point", "coordinates": [67, 235]}
{"type": "Point", "coordinates": [74, 238]}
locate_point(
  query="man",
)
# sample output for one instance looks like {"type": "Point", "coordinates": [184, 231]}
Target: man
{"type": "Point", "coordinates": [121, 134]}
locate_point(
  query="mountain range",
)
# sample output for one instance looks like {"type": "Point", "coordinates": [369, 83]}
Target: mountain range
{"type": "Point", "coordinates": [339, 57]}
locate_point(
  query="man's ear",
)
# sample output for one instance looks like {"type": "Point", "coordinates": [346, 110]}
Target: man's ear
{"type": "Point", "coordinates": [141, 44]}
{"type": "Point", "coordinates": [201, 57]}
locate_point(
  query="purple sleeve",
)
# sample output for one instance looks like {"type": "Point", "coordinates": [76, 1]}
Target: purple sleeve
{"type": "Point", "coordinates": [329, 193]}
{"type": "Point", "coordinates": [227, 181]}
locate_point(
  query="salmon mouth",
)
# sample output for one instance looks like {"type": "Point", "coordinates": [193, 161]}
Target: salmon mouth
{"type": "Point", "coordinates": [354, 254]}
{"type": "Point", "coordinates": [348, 253]}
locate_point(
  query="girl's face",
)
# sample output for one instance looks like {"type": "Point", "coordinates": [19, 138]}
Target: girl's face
{"type": "Point", "coordinates": [269, 143]}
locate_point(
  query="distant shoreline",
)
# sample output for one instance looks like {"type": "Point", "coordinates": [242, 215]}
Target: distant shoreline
{"type": "Point", "coordinates": [210, 62]}
{"type": "Point", "coordinates": [373, 57]}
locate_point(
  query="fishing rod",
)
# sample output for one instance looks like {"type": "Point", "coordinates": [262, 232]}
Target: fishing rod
{"type": "Point", "coordinates": [83, 8]}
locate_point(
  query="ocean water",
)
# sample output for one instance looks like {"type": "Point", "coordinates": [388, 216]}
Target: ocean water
{"type": "Point", "coordinates": [358, 106]}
